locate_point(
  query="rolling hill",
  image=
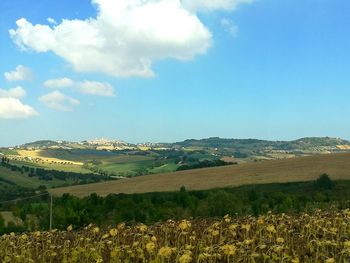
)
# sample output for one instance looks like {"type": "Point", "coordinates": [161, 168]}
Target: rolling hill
{"type": "Point", "coordinates": [243, 148]}
{"type": "Point", "coordinates": [272, 171]}
{"type": "Point", "coordinates": [121, 159]}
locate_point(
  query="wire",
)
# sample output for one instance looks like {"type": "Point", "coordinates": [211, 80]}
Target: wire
{"type": "Point", "coordinates": [25, 198]}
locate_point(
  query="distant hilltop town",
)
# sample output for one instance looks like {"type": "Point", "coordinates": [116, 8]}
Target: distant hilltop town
{"type": "Point", "coordinates": [98, 144]}
{"type": "Point", "coordinates": [103, 141]}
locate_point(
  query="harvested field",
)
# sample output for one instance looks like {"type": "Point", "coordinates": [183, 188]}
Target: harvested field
{"type": "Point", "coordinates": [276, 171]}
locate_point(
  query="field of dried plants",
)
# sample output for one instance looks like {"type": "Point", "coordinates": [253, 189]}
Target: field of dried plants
{"type": "Point", "coordinates": [319, 237]}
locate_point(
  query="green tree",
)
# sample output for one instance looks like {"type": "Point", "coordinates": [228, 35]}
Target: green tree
{"type": "Point", "coordinates": [324, 182]}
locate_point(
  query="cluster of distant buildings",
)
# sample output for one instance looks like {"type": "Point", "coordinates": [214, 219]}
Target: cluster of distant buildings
{"type": "Point", "coordinates": [98, 144]}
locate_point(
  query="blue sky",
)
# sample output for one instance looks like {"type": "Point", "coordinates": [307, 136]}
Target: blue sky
{"type": "Point", "coordinates": [237, 69]}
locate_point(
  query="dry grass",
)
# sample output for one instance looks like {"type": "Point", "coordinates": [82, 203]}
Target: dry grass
{"type": "Point", "coordinates": [8, 217]}
{"type": "Point", "coordinates": [38, 154]}
{"type": "Point", "coordinates": [276, 171]}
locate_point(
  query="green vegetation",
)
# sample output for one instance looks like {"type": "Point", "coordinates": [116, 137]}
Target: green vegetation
{"type": "Point", "coordinates": [203, 164]}
{"type": "Point", "coordinates": [165, 168]}
{"type": "Point", "coordinates": [154, 207]}
{"type": "Point", "coordinates": [53, 166]}
{"type": "Point", "coordinates": [135, 163]}
{"type": "Point", "coordinates": [33, 177]}
{"type": "Point", "coordinates": [23, 180]}
{"type": "Point", "coordinates": [244, 148]}
{"type": "Point", "coordinates": [6, 151]}
{"type": "Point", "coordinates": [126, 169]}
{"type": "Point", "coordinates": [78, 155]}
{"type": "Point", "coordinates": [41, 143]}
{"type": "Point", "coordinates": [254, 144]}
{"type": "Point", "coordinates": [128, 160]}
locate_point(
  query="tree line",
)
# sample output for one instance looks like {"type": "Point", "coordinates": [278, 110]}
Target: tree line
{"type": "Point", "coordinates": [154, 207]}
{"type": "Point", "coordinates": [204, 164]}
{"type": "Point", "coordinates": [49, 174]}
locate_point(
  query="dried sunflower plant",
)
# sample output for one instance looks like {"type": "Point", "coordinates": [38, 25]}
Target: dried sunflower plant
{"type": "Point", "coordinates": [318, 237]}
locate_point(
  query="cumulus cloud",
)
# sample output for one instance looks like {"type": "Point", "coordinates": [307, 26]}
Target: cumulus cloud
{"type": "Point", "coordinates": [12, 108]}
{"type": "Point", "coordinates": [124, 39]}
{"type": "Point", "coordinates": [212, 5]}
{"type": "Point", "coordinates": [59, 83]}
{"type": "Point", "coordinates": [19, 74]}
{"type": "Point", "coordinates": [58, 101]}
{"type": "Point", "coordinates": [52, 21]}
{"type": "Point", "coordinates": [16, 93]}
{"type": "Point", "coordinates": [86, 87]}
{"type": "Point", "coordinates": [229, 27]}
{"type": "Point", "coordinates": [96, 88]}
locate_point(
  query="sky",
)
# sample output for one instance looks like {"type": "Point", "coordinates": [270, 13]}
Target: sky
{"type": "Point", "coordinates": [169, 70]}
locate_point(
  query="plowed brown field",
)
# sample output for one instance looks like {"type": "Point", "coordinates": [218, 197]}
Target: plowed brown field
{"type": "Point", "coordinates": [276, 171]}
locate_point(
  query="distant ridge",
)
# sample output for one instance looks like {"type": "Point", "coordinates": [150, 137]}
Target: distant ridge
{"type": "Point", "coordinates": [262, 147]}
{"type": "Point", "coordinates": [243, 149]}
{"type": "Point", "coordinates": [41, 143]}
{"type": "Point", "coordinates": [211, 142]}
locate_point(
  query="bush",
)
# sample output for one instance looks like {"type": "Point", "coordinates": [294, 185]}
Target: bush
{"type": "Point", "coordinates": [324, 182]}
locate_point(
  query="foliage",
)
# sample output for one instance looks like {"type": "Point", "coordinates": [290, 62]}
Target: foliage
{"type": "Point", "coordinates": [154, 207]}
{"type": "Point", "coordinates": [251, 145]}
{"type": "Point", "coordinates": [10, 191]}
{"type": "Point", "coordinates": [203, 164]}
{"type": "Point", "coordinates": [2, 222]}
{"type": "Point", "coordinates": [324, 182]}
{"type": "Point", "coordinates": [48, 175]}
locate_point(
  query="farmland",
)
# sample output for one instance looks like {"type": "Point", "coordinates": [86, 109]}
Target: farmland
{"type": "Point", "coordinates": [34, 177]}
{"type": "Point", "coordinates": [23, 180]}
{"type": "Point", "coordinates": [88, 160]}
{"type": "Point", "coordinates": [120, 159]}
{"type": "Point", "coordinates": [319, 237]}
{"type": "Point", "coordinates": [272, 171]}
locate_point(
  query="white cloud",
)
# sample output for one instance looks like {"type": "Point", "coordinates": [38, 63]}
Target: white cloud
{"type": "Point", "coordinates": [229, 27]}
{"type": "Point", "coordinates": [124, 39]}
{"type": "Point", "coordinates": [58, 101]}
{"type": "Point", "coordinates": [59, 83]}
{"type": "Point", "coordinates": [86, 87]}
{"type": "Point", "coordinates": [12, 108]}
{"type": "Point", "coordinates": [16, 93]}
{"type": "Point", "coordinates": [21, 73]}
{"type": "Point", "coordinates": [96, 88]}
{"type": "Point", "coordinates": [52, 21]}
{"type": "Point", "coordinates": [213, 5]}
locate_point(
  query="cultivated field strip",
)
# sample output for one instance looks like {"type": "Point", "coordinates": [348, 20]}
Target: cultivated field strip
{"type": "Point", "coordinates": [276, 171]}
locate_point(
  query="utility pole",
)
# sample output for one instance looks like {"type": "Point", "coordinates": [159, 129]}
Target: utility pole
{"type": "Point", "coordinates": [50, 212]}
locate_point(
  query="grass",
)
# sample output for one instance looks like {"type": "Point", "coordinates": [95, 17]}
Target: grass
{"type": "Point", "coordinates": [127, 159]}
{"type": "Point", "coordinates": [115, 163]}
{"type": "Point", "coordinates": [84, 155]}
{"type": "Point", "coordinates": [263, 172]}
{"type": "Point", "coordinates": [25, 181]}
{"type": "Point", "coordinates": [38, 154]}
{"type": "Point", "coordinates": [8, 151]}
{"type": "Point", "coordinates": [54, 166]}
{"type": "Point", "coordinates": [73, 160]}
{"type": "Point", "coordinates": [8, 217]}
{"type": "Point", "coordinates": [77, 155]}
{"type": "Point", "coordinates": [129, 167]}
{"type": "Point", "coordinates": [166, 168]}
